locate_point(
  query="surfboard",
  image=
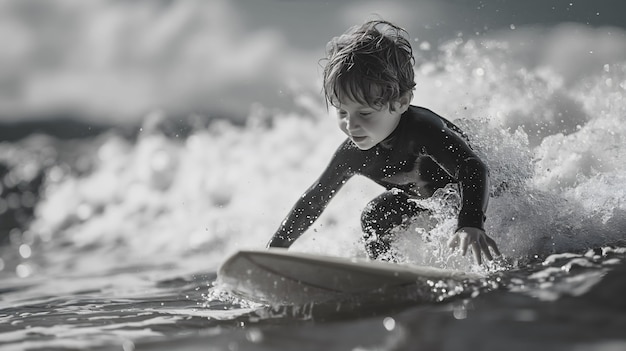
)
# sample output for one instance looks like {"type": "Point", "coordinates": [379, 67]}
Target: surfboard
{"type": "Point", "coordinates": [281, 277]}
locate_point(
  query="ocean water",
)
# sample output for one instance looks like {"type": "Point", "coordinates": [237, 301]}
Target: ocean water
{"type": "Point", "coordinates": [113, 241]}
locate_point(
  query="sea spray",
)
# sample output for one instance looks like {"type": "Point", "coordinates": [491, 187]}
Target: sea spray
{"type": "Point", "coordinates": [553, 145]}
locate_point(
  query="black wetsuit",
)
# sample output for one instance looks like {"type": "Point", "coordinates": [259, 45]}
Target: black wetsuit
{"type": "Point", "coordinates": [425, 152]}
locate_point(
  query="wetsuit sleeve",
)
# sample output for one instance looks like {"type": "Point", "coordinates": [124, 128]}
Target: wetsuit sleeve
{"type": "Point", "coordinates": [455, 156]}
{"type": "Point", "coordinates": [315, 199]}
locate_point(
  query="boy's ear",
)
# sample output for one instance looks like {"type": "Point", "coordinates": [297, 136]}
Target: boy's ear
{"type": "Point", "coordinates": [402, 104]}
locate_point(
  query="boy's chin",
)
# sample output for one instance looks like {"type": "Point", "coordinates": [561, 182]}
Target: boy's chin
{"type": "Point", "coordinates": [365, 145]}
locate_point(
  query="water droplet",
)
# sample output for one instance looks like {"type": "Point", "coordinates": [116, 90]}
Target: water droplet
{"type": "Point", "coordinates": [389, 323]}
{"type": "Point", "coordinates": [128, 345]}
{"type": "Point", "coordinates": [254, 335]}
{"type": "Point", "coordinates": [460, 313]}
{"type": "Point", "coordinates": [25, 251]}
{"type": "Point", "coordinates": [23, 270]}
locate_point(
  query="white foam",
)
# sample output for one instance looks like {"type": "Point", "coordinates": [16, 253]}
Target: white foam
{"type": "Point", "coordinates": [554, 144]}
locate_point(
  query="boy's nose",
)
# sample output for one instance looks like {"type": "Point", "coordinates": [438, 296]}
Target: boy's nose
{"type": "Point", "coordinates": [351, 123]}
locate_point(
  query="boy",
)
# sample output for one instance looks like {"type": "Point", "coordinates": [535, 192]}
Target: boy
{"type": "Point", "coordinates": [409, 150]}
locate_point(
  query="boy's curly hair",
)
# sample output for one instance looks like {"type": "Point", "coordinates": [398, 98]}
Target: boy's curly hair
{"type": "Point", "coordinates": [371, 64]}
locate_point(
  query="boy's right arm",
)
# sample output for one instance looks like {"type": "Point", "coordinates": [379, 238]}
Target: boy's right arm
{"type": "Point", "coordinates": [314, 200]}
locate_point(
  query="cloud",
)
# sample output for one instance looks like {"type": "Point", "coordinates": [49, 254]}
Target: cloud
{"type": "Point", "coordinates": [571, 50]}
{"type": "Point", "coordinates": [119, 60]}
{"type": "Point", "coordinates": [397, 12]}
{"type": "Point", "coordinates": [528, 77]}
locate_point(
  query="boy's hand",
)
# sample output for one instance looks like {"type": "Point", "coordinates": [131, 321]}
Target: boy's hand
{"type": "Point", "coordinates": [479, 241]}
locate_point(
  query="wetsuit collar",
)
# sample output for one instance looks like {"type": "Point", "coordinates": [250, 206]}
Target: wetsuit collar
{"type": "Point", "coordinates": [389, 141]}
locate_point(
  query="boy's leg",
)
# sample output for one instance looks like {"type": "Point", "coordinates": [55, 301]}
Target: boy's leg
{"type": "Point", "coordinates": [386, 212]}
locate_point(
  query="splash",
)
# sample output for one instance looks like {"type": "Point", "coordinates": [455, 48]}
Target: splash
{"type": "Point", "coordinates": [554, 147]}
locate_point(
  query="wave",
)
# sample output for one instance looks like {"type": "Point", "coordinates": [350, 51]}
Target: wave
{"type": "Point", "coordinates": [556, 144]}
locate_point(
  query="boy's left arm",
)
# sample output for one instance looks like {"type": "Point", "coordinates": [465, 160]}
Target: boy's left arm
{"type": "Point", "coordinates": [460, 161]}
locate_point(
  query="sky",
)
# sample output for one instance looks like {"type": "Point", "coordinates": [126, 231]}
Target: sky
{"type": "Point", "coordinates": [118, 61]}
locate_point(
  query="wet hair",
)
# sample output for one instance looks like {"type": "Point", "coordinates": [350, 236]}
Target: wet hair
{"type": "Point", "coordinates": [371, 64]}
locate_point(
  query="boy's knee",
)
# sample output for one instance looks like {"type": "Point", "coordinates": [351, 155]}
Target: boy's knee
{"type": "Point", "coordinates": [383, 214]}
{"type": "Point", "coordinates": [387, 211]}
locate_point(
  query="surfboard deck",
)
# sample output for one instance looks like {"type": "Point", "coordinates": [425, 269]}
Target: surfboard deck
{"type": "Point", "coordinates": [280, 277]}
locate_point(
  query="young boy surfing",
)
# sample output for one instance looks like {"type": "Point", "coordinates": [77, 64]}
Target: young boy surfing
{"type": "Point", "coordinates": [407, 149]}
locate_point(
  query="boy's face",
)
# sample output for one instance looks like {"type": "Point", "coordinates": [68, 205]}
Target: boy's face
{"type": "Point", "coordinates": [367, 126]}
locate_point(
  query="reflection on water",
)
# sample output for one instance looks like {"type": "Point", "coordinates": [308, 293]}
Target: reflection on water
{"type": "Point", "coordinates": [131, 310]}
